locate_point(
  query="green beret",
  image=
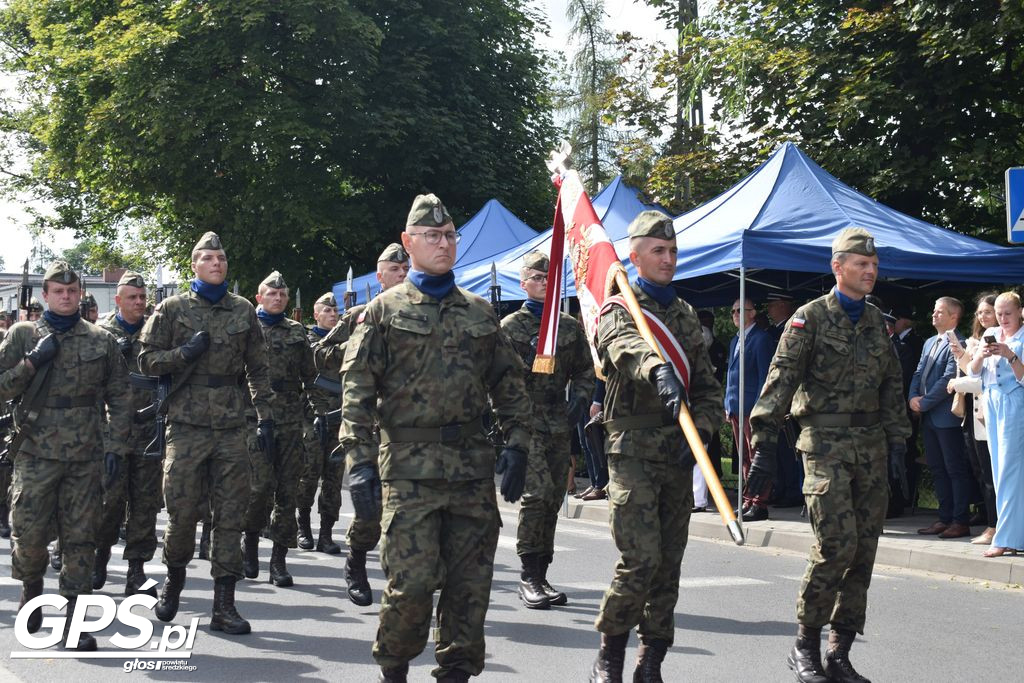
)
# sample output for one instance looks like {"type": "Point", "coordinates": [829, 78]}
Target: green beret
{"type": "Point", "coordinates": [60, 271]}
{"type": "Point", "coordinates": [394, 252]}
{"type": "Point", "coordinates": [428, 211]}
{"type": "Point", "coordinates": [35, 305]}
{"type": "Point", "coordinates": [854, 241]}
{"type": "Point", "coordinates": [537, 261]}
{"type": "Point", "coordinates": [209, 240]}
{"type": "Point", "coordinates": [652, 224]}
{"type": "Point", "coordinates": [89, 300]}
{"type": "Point", "coordinates": [275, 281]}
{"type": "Point", "coordinates": [132, 279]}
{"type": "Point", "coordinates": [328, 300]}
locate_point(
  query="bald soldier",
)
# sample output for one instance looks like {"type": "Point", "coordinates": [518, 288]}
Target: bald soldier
{"type": "Point", "coordinates": [363, 534]}
{"type": "Point", "coordinates": [210, 342]}
{"type": "Point", "coordinates": [276, 472]}
{"type": "Point", "coordinates": [137, 489]}
{"type": "Point", "coordinates": [553, 417]}
{"type": "Point", "coordinates": [836, 372]}
{"type": "Point", "coordinates": [424, 361]}
{"type": "Point", "coordinates": [66, 376]}
{"type": "Point", "coordinates": [650, 464]}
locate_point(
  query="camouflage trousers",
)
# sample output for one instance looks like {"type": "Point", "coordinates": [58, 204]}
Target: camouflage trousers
{"type": "Point", "coordinates": [273, 487]}
{"type": "Point", "coordinates": [6, 473]}
{"type": "Point", "coordinates": [436, 534]}
{"type": "Point", "coordinates": [137, 491]}
{"type": "Point", "coordinates": [363, 534]}
{"type": "Point", "coordinates": [650, 506]}
{"type": "Point", "coordinates": [66, 491]}
{"type": "Point", "coordinates": [317, 469]}
{"type": "Point", "coordinates": [548, 466]}
{"type": "Point", "coordinates": [846, 502]}
{"type": "Point", "coordinates": [204, 464]}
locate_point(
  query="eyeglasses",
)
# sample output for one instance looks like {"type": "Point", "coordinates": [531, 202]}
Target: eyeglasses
{"type": "Point", "coordinates": [433, 237]}
{"type": "Point", "coordinates": [537, 278]}
{"type": "Point", "coordinates": [737, 310]}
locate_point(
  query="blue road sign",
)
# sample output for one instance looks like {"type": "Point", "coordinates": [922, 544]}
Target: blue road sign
{"type": "Point", "coordinates": [1015, 205]}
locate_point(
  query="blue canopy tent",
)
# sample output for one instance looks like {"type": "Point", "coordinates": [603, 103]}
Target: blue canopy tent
{"type": "Point", "coordinates": [491, 231]}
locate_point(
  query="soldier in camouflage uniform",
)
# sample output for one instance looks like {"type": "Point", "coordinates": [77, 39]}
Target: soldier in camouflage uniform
{"type": "Point", "coordinates": [319, 441]}
{"type": "Point", "coordinates": [275, 479]}
{"type": "Point", "coordinates": [835, 370]}
{"type": "Point", "coordinates": [211, 344]}
{"type": "Point", "coordinates": [422, 362]}
{"type": "Point", "coordinates": [138, 487]}
{"type": "Point", "coordinates": [650, 464]}
{"type": "Point", "coordinates": [553, 418]}
{"type": "Point", "coordinates": [35, 310]}
{"type": "Point", "coordinates": [89, 308]}
{"type": "Point", "coordinates": [363, 534]}
{"type": "Point", "coordinates": [63, 371]}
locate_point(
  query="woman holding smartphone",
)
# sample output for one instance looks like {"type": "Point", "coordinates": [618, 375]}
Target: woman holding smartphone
{"type": "Point", "coordinates": [997, 361]}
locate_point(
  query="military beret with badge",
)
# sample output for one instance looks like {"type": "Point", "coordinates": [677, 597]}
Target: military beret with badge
{"type": "Point", "coordinates": [428, 211]}
{"type": "Point", "coordinates": [652, 224]}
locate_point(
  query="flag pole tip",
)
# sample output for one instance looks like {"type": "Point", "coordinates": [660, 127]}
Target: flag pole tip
{"type": "Point", "coordinates": [736, 532]}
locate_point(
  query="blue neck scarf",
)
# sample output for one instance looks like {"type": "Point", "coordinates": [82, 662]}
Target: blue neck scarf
{"type": "Point", "coordinates": [437, 286]}
{"type": "Point", "coordinates": [212, 293]}
{"type": "Point", "coordinates": [663, 294]}
{"type": "Point", "coordinates": [127, 326]}
{"type": "Point", "coordinates": [853, 308]}
{"type": "Point", "coordinates": [268, 319]}
{"type": "Point", "coordinates": [319, 331]}
{"type": "Point", "coordinates": [534, 306]}
{"type": "Point", "coordinates": [61, 323]}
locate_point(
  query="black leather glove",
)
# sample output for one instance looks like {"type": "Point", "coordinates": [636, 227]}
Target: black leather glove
{"type": "Point", "coordinates": [670, 389]}
{"type": "Point", "coordinates": [265, 440]}
{"type": "Point", "coordinates": [124, 345]}
{"type": "Point", "coordinates": [577, 409]}
{"type": "Point", "coordinates": [512, 465]}
{"type": "Point", "coordinates": [44, 351]}
{"type": "Point", "coordinates": [111, 469]}
{"type": "Point", "coordinates": [320, 430]}
{"type": "Point", "coordinates": [196, 346]}
{"type": "Point", "coordinates": [686, 457]}
{"type": "Point", "coordinates": [898, 467]}
{"type": "Point", "coordinates": [364, 489]}
{"type": "Point", "coordinates": [762, 471]}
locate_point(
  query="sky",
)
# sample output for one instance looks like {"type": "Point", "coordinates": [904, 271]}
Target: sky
{"type": "Point", "coordinates": [622, 15]}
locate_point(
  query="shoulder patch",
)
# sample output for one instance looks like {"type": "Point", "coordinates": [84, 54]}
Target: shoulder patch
{"type": "Point", "coordinates": [798, 323]}
{"type": "Point", "coordinates": [362, 316]}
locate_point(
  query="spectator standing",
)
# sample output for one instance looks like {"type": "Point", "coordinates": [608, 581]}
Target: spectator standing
{"type": "Point", "coordinates": [787, 490]}
{"type": "Point", "coordinates": [597, 465]}
{"type": "Point", "coordinates": [908, 344]}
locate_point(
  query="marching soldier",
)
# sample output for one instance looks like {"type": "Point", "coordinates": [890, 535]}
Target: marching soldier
{"type": "Point", "coordinates": [89, 308]}
{"type": "Point", "coordinates": [276, 478]}
{"type": "Point", "coordinates": [138, 487]}
{"type": "Point", "coordinates": [650, 464]}
{"type": "Point", "coordinates": [423, 361]}
{"type": "Point", "coordinates": [67, 376]}
{"type": "Point", "coordinates": [209, 341]}
{"type": "Point", "coordinates": [363, 534]}
{"type": "Point", "coordinates": [836, 368]}
{"type": "Point", "coordinates": [553, 418]}
{"type": "Point", "coordinates": [35, 310]}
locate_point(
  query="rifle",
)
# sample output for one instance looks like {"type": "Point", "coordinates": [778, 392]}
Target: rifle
{"type": "Point", "coordinates": [24, 291]}
{"type": "Point", "coordinates": [350, 295]}
{"type": "Point", "coordinates": [297, 311]}
{"type": "Point", "coordinates": [161, 386]}
{"type": "Point", "coordinates": [329, 385]}
{"type": "Point", "coordinates": [495, 291]}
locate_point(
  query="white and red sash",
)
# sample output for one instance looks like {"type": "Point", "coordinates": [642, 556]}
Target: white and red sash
{"type": "Point", "coordinates": [670, 347]}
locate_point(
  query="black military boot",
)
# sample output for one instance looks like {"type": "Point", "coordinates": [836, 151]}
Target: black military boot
{"type": "Point", "coordinates": [167, 607]}
{"type": "Point", "coordinates": [225, 617]}
{"type": "Point", "coordinates": [837, 658]}
{"type": "Point", "coordinates": [454, 676]}
{"type": "Point", "coordinates": [5, 524]}
{"type": "Point", "coordinates": [556, 598]}
{"type": "Point", "coordinates": [326, 544]}
{"type": "Point", "coordinates": [204, 542]}
{"type": "Point", "coordinates": [99, 569]}
{"type": "Point", "coordinates": [251, 554]}
{"type": "Point", "coordinates": [396, 674]}
{"type": "Point", "coordinates": [610, 659]}
{"type": "Point", "coordinates": [29, 590]}
{"type": "Point", "coordinates": [805, 658]}
{"type": "Point", "coordinates": [355, 576]}
{"type": "Point", "coordinates": [279, 575]}
{"type": "Point", "coordinates": [86, 643]}
{"type": "Point", "coordinates": [136, 578]}
{"type": "Point", "coordinates": [305, 533]}
{"type": "Point", "coordinates": [649, 657]}
{"type": "Point", "coordinates": [56, 559]}
{"type": "Point", "coordinates": [531, 592]}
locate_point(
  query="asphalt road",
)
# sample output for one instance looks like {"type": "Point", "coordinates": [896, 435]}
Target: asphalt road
{"type": "Point", "coordinates": [734, 622]}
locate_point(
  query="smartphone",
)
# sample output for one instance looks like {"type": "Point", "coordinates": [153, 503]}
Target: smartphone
{"type": "Point", "coordinates": [953, 339]}
{"type": "Point", "coordinates": [990, 339]}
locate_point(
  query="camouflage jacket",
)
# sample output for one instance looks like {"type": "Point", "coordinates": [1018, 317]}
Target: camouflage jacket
{"type": "Point", "coordinates": [292, 371]}
{"type": "Point", "coordinates": [88, 364]}
{"type": "Point", "coordinates": [318, 397]}
{"type": "Point", "coordinates": [627, 360]}
{"type": "Point", "coordinates": [416, 362]}
{"type": "Point", "coordinates": [573, 363]}
{"type": "Point", "coordinates": [331, 351]}
{"type": "Point", "coordinates": [825, 364]}
{"type": "Point", "coordinates": [236, 349]}
{"type": "Point", "coordinates": [140, 398]}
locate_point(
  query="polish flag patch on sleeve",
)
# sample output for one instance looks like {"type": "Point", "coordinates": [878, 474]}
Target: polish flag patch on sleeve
{"type": "Point", "coordinates": [798, 323]}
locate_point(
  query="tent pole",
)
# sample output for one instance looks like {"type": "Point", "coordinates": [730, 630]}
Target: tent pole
{"type": "Point", "coordinates": [741, 350]}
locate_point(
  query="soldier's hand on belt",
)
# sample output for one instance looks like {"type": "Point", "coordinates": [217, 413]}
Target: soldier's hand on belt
{"type": "Point", "coordinates": [898, 466]}
{"type": "Point", "coordinates": [670, 389]}
{"type": "Point", "coordinates": [43, 352]}
{"type": "Point", "coordinates": [265, 439]}
{"type": "Point", "coordinates": [364, 489]}
{"type": "Point", "coordinates": [512, 465]}
{"type": "Point", "coordinates": [762, 471]}
{"type": "Point", "coordinates": [111, 469]}
{"type": "Point", "coordinates": [686, 457]}
{"type": "Point", "coordinates": [196, 346]}
{"type": "Point", "coordinates": [577, 408]}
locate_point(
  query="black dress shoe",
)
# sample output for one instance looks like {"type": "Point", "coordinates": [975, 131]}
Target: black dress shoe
{"type": "Point", "coordinates": [699, 508]}
{"type": "Point", "coordinates": [756, 513]}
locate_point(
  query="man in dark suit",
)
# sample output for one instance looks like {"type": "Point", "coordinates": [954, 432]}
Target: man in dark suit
{"type": "Point", "coordinates": [908, 344]}
{"type": "Point", "coordinates": [758, 351]}
{"type": "Point", "coordinates": [943, 437]}
{"type": "Point", "coordinates": [787, 490]}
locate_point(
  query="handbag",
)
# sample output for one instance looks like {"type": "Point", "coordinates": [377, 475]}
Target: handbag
{"type": "Point", "coordinates": [959, 406]}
